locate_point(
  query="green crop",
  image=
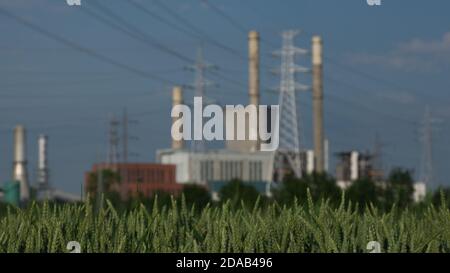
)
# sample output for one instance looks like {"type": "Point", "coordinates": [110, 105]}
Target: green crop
{"type": "Point", "coordinates": [177, 228]}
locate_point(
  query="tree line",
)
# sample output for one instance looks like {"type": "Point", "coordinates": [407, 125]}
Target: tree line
{"type": "Point", "coordinates": [397, 190]}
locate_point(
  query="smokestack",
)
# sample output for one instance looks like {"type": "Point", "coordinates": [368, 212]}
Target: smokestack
{"type": "Point", "coordinates": [177, 99]}
{"type": "Point", "coordinates": [253, 49]}
{"type": "Point", "coordinates": [43, 161]}
{"type": "Point", "coordinates": [20, 163]}
{"type": "Point", "coordinates": [43, 188]}
{"type": "Point", "coordinates": [317, 63]}
{"type": "Point", "coordinates": [253, 82]}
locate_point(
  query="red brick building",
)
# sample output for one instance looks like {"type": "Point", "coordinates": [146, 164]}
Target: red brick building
{"type": "Point", "coordinates": [132, 179]}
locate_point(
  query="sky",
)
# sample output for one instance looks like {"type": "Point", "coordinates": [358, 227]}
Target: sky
{"type": "Point", "coordinates": [66, 70]}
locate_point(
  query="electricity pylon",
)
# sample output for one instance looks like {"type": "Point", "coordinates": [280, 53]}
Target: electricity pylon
{"type": "Point", "coordinates": [426, 137]}
{"type": "Point", "coordinates": [201, 83]}
{"type": "Point", "coordinates": [113, 151]}
{"type": "Point", "coordinates": [287, 157]}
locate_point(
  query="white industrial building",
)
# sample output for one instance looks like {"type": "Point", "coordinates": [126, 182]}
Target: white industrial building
{"type": "Point", "coordinates": [420, 191]}
{"type": "Point", "coordinates": [218, 165]}
{"type": "Point", "coordinates": [307, 161]}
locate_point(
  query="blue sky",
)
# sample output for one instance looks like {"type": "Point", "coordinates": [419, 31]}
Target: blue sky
{"type": "Point", "coordinates": [384, 65]}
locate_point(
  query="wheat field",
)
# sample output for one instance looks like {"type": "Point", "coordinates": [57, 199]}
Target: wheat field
{"type": "Point", "coordinates": [309, 228]}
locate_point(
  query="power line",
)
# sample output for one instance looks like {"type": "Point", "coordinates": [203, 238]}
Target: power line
{"type": "Point", "coordinates": [230, 80]}
{"type": "Point", "coordinates": [228, 18]}
{"type": "Point", "coordinates": [82, 121]}
{"type": "Point", "coordinates": [363, 106]}
{"type": "Point", "coordinates": [241, 28]}
{"type": "Point", "coordinates": [161, 19]}
{"type": "Point", "coordinates": [364, 74]}
{"type": "Point", "coordinates": [194, 31]}
{"type": "Point", "coordinates": [135, 33]}
{"type": "Point", "coordinates": [80, 48]}
{"type": "Point", "coordinates": [201, 33]}
{"type": "Point", "coordinates": [361, 74]}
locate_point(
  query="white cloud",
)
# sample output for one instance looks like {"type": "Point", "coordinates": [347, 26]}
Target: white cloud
{"type": "Point", "coordinates": [420, 46]}
{"type": "Point", "coordinates": [416, 55]}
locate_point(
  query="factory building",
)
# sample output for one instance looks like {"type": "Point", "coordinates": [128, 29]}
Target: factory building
{"type": "Point", "coordinates": [218, 165]}
{"type": "Point", "coordinates": [354, 165]}
{"type": "Point", "coordinates": [138, 178]}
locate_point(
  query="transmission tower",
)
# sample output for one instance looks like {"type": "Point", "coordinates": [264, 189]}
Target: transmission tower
{"type": "Point", "coordinates": [287, 157]}
{"type": "Point", "coordinates": [200, 84]}
{"type": "Point", "coordinates": [113, 151]}
{"type": "Point", "coordinates": [126, 137]}
{"type": "Point", "coordinates": [43, 189]}
{"type": "Point", "coordinates": [378, 168]}
{"type": "Point", "coordinates": [426, 137]}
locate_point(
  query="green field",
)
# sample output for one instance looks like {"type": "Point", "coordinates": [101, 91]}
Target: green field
{"type": "Point", "coordinates": [298, 228]}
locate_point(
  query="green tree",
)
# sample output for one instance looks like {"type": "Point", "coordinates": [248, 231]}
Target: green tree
{"type": "Point", "coordinates": [196, 195]}
{"type": "Point", "coordinates": [162, 198]}
{"type": "Point", "coordinates": [290, 190]}
{"type": "Point", "coordinates": [441, 196]}
{"type": "Point", "coordinates": [111, 185]}
{"type": "Point", "coordinates": [321, 186]}
{"type": "Point", "coordinates": [363, 192]}
{"type": "Point", "coordinates": [400, 188]}
{"type": "Point", "coordinates": [236, 191]}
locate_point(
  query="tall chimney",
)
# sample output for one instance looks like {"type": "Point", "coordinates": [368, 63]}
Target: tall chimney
{"type": "Point", "coordinates": [43, 161]}
{"type": "Point", "coordinates": [20, 163]}
{"type": "Point", "coordinates": [43, 189]}
{"type": "Point", "coordinates": [177, 99]}
{"type": "Point", "coordinates": [253, 82]}
{"type": "Point", "coordinates": [253, 49]}
{"type": "Point", "coordinates": [317, 63]}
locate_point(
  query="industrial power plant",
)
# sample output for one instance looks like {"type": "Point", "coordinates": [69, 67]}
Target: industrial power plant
{"type": "Point", "coordinates": [183, 164]}
{"type": "Point", "coordinates": [196, 163]}
{"type": "Point", "coordinates": [213, 131]}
